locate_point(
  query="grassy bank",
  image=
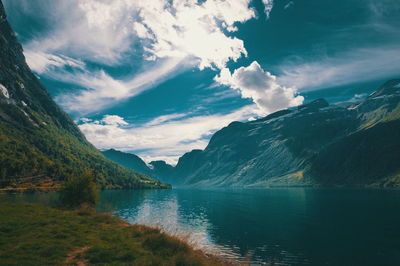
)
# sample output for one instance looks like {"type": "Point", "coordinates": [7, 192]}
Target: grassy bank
{"type": "Point", "coordinates": [32, 234]}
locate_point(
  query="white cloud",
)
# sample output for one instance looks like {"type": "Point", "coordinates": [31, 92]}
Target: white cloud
{"type": "Point", "coordinates": [111, 32]}
{"type": "Point", "coordinates": [93, 30]}
{"type": "Point", "coordinates": [41, 62]}
{"type": "Point", "coordinates": [141, 30]}
{"type": "Point", "coordinates": [165, 118]}
{"type": "Point", "coordinates": [363, 64]}
{"type": "Point", "coordinates": [163, 137]}
{"type": "Point", "coordinates": [189, 28]}
{"type": "Point", "coordinates": [114, 120]}
{"type": "Point", "coordinates": [104, 91]}
{"type": "Point", "coordinates": [103, 31]}
{"type": "Point", "coordinates": [268, 5]}
{"type": "Point", "coordinates": [84, 120]}
{"type": "Point", "coordinates": [260, 86]}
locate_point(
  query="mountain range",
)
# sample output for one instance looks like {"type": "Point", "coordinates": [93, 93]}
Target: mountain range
{"type": "Point", "coordinates": [38, 139]}
{"type": "Point", "coordinates": [316, 144]}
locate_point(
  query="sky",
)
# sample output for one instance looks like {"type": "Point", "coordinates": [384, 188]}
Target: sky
{"type": "Point", "coordinates": [158, 77]}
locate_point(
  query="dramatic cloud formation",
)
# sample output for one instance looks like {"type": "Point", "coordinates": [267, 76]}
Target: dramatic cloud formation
{"type": "Point", "coordinates": [253, 82]}
{"type": "Point", "coordinates": [166, 137]}
{"type": "Point", "coordinates": [96, 55]}
{"type": "Point", "coordinates": [192, 28]}
{"type": "Point", "coordinates": [111, 32]}
{"type": "Point", "coordinates": [102, 31]}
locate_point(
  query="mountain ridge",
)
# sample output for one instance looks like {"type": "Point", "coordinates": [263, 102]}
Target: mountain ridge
{"type": "Point", "coordinates": [317, 144]}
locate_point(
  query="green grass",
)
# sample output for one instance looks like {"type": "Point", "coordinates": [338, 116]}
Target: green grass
{"type": "Point", "coordinates": [32, 234]}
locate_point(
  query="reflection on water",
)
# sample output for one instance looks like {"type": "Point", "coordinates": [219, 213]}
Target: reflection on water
{"type": "Point", "coordinates": [162, 209]}
{"type": "Point", "coordinates": [293, 226]}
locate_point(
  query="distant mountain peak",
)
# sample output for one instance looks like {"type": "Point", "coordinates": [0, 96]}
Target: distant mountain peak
{"type": "Point", "coordinates": [388, 88]}
{"type": "Point", "coordinates": [316, 104]}
{"type": "Point", "coordinates": [155, 169]}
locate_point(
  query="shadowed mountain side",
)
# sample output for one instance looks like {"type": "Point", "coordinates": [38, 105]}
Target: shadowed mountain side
{"type": "Point", "coordinates": [156, 169]}
{"type": "Point", "coordinates": [313, 145]}
{"type": "Point", "coordinates": [37, 139]}
{"type": "Point", "coordinates": [128, 160]}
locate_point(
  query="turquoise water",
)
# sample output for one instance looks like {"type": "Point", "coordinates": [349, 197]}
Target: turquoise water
{"type": "Point", "coordinates": [293, 226]}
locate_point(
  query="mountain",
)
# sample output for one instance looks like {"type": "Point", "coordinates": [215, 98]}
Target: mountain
{"type": "Point", "coordinates": [163, 171]}
{"type": "Point", "coordinates": [316, 144]}
{"type": "Point", "coordinates": [127, 160]}
{"type": "Point", "coordinates": [156, 169]}
{"type": "Point", "coordinates": [371, 154]}
{"type": "Point", "coordinates": [274, 150]}
{"type": "Point", "coordinates": [37, 139]}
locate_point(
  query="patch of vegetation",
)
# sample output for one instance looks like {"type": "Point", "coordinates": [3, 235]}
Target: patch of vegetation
{"type": "Point", "coordinates": [32, 234]}
{"type": "Point", "coordinates": [54, 153]}
{"type": "Point", "coordinates": [79, 190]}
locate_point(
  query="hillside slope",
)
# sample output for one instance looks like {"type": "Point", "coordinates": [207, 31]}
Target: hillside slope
{"type": "Point", "coordinates": [316, 145]}
{"type": "Point", "coordinates": [36, 137]}
{"type": "Point", "coordinates": [128, 160]}
{"type": "Point", "coordinates": [156, 169]}
{"type": "Point", "coordinates": [371, 154]}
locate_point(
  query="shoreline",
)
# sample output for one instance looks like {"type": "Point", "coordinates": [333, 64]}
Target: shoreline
{"type": "Point", "coordinates": [84, 237]}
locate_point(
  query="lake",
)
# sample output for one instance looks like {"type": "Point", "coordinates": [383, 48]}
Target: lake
{"type": "Point", "coordinates": [282, 226]}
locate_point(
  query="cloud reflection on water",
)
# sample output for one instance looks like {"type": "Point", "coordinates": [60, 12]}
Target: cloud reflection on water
{"type": "Point", "coordinates": [165, 213]}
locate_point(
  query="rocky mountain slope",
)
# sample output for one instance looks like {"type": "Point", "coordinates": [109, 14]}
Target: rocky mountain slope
{"type": "Point", "coordinates": [316, 144]}
{"type": "Point", "coordinates": [37, 139]}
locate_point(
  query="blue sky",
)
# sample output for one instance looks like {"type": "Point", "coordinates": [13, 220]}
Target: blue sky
{"type": "Point", "coordinates": [157, 77]}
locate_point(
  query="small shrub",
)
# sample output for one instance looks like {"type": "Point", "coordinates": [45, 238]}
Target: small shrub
{"type": "Point", "coordinates": [79, 190]}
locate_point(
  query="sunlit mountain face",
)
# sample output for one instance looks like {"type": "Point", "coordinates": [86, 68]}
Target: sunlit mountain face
{"type": "Point", "coordinates": [157, 78]}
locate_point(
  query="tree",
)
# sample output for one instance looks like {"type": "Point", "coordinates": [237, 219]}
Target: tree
{"type": "Point", "coordinates": [79, 190]}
